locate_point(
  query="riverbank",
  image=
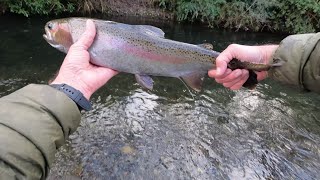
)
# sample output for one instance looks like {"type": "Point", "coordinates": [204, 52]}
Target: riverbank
{"type": "Point", "coordinates": [141, 8]}
{"type": "Point", "coordinates": [250, 15]}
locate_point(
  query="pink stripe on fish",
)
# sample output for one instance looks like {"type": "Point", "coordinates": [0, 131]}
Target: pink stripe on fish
{"type": "Point", "coordinates": [152, 56]}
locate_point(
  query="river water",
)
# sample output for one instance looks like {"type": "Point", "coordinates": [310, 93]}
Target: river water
{"type": "Point", "coordinates": [272, 132]}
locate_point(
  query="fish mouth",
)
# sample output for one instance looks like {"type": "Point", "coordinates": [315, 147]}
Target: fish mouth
{"type": "Point", "coordinates": [48, 37]}
{"type": "Point", "coordinates": [45, 37]}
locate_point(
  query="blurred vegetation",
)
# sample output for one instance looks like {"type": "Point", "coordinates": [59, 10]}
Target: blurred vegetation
{"type": "Point", "coordinates": [293, 16]}
{"type": "Point", "coordinates": [42, 7]}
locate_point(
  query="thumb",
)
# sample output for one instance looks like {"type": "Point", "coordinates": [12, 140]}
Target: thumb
{"type": "Point", "coordinates": [224, 58]}
{"type": "Point", "coordinates": [86, 39]}
{"type": "Point", "coordinates": [221, 64]}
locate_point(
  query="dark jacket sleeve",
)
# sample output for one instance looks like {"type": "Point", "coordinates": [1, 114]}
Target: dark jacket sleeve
{"type": "Point", "coordinates": [34, 122]}
{"type": "Point", "coordinates": [300, 55]}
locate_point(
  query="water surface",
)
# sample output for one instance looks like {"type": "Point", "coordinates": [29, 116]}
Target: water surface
{"type": "Point", "coordinates": [272, 132]}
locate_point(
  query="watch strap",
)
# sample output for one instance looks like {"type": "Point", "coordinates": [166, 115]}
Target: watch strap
{"type": "Point", "coordinates": [75, 95]}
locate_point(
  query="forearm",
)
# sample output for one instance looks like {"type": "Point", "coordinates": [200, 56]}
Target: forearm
{"type": "Point", "coordinates": [300, 55]}
{"type": "Point", "coordinates": [35, 121]}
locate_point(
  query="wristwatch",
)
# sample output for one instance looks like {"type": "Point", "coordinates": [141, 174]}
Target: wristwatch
{"type": "Point", "coordinates": [75, 95]}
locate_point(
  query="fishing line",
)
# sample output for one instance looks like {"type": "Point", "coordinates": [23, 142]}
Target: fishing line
{"type": "Point", "coordinates": [187, 88]}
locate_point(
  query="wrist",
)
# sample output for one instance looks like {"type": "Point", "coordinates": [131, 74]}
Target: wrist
{"type": "Point", "coordinates": [75, 95]}
{"type": "Point", "coordinates": [268, 52]}
{"type": "Point", "coordinates": [75, 84]}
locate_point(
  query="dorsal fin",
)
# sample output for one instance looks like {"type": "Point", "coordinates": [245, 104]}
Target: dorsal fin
{"type": "Point", "coordinates": [206, 45]}
{"type": "Point", "coordinates": [150, 30]}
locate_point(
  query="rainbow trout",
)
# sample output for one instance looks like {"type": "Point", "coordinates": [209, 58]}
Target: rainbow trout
{"type": "Point", "coordinates": [142, 50]}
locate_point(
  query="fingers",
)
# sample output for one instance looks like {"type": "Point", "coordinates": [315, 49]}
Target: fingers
{"type": "Point", "coordinates": [229, 76]}
{"type": "Point", "coordinates": [262, 75]}
{"type": "Point", "coordinates": [224, 58]}
{"type": "Point", "coordinates": [239, 85]}
{"type": "Point", "coordinates": [233, 79]}
{"type": "Point", "coordinates": [238, 82]}
{"type": "Point", "coordinates": [87, 37]}
{"type": "Point", "coordinates": [213, 74]}
{"type": "Point", "coordinates": [222, 62]}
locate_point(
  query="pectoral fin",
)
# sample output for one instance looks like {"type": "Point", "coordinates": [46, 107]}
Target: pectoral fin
{"type": "Point", "coordinates": [145, 81]}
{"type": "Point", "coordinates": [194, 81]}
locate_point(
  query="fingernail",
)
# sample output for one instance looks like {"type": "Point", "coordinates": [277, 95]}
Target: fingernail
{"type": "Point", "coordinates": [88, 22]}
{"type": "Point", "coordinates": [218, 71]}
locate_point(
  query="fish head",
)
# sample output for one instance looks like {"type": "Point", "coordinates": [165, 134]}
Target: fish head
{"type": "Point", "coordinates": [58, 34]}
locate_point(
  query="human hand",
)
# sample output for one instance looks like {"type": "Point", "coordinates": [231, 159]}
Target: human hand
{"type": "Point", "coordinates": [236, 78]}
{"type": "Point", "coordinates": [77, 71]}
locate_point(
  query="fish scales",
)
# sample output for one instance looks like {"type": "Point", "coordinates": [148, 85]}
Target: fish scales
{"type": "Point", "coordinates": [139, 49]}
{"type": "Point", "coordinates": [139, 53]}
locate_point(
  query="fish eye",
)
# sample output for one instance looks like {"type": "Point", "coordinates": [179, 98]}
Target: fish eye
{"type": "Point", "coordinates": [50, 26]}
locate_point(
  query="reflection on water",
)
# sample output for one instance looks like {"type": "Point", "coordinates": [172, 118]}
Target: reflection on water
{"type": "Point", "coordinates": [272, 132]}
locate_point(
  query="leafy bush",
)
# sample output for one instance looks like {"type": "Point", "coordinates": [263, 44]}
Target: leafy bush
{"type": "Point", "coordinates": [296, 15]}
{"type": "Point", "coordinates": [166, 4]}
{"type": "Point", "coordinates": [246, 15]}
{"type": "Point", "coordinates": [42, 7]}
{"type": "Point", "coordinates": [256, 15]}
{"type": "Point", "coordinates": [203, 10]}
